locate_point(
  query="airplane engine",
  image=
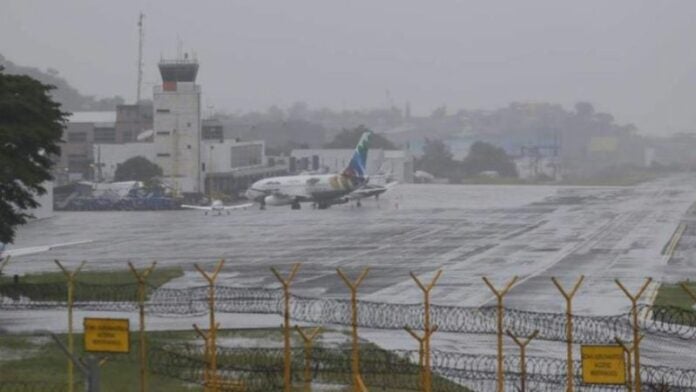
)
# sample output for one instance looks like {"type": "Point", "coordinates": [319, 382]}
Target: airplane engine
{"type": "Point", "coordinates": [274, 200]}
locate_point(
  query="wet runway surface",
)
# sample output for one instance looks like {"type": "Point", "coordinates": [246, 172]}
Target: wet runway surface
{"type": "Point", "coordinates": [532, 232]}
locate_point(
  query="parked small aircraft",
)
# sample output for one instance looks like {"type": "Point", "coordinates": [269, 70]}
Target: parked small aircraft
{"type": "Point", "coordinates": [217, 206]}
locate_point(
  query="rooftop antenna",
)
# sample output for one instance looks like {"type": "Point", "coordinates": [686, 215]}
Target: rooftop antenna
{"type": "Point", "coordinates": [141, 38]}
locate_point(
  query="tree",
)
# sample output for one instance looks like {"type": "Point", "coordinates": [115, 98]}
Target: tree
{"type": "Point", "coordinates": [137, 169]}
{"type": "Point", "coordinates": [437, 160]}
{"type": "Point", "coordinates": [348, 138]}
{"type": "Point", "coordinates": [31, 126]}
{"type": "Point", "coordinates": [487, 157]}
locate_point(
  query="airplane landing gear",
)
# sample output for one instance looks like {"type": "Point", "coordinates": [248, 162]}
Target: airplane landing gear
{"type": "Point", "coordinates": [358, 203]}
{"type": "Point", "coordinates": [262, 205]}
{"type": "Point", "coordinates": [295, 205]}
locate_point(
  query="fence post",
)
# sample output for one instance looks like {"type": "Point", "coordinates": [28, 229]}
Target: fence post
{"type": "Point", "coordinates": [627, 350]}
{"type": "Point", "coordinates": [308, 341]}
{"type": "Point", "coordinates": [210, 382]}
{"type": "Point", "coordinates": [287, 382]}
{"type": "Point", "coordinates": [500, 294]}
{"type": "Point", "coordinates": [426, 384]}
{"type": "Point", "coordinates": [4, 263]}
{"type": "Point", "coordinates": [636, 328]}
{"type": "Point", "coordinates": [89, 368]}
{"type": "Point", "coordinates": [70, 276]}
{"type": "Point", "coordinates": [523, 350]}
{"type": "Point", "coordinates": [141, 278]}
{"type": "Point", "coordinates": [358, 385]}
{"type": "Point", "coordinates": [427, 372]}
{"type": "Point", "coordinates": [683, 285]}
{"type": "Point", "coordinates": [213, 325]}
{"type": "Point", "coordinates": [569, 326]}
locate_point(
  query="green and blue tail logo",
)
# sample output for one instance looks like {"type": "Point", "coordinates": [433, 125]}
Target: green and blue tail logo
{"type": "Point", "coordinates": [358, 163]}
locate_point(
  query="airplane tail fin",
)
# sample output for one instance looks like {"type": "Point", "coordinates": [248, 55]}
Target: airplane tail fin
{"type": "Point", "coordinates": [358, 163]}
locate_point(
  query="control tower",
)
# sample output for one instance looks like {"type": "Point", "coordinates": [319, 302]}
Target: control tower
{"type": "Point", "coordinates": [177, 124]}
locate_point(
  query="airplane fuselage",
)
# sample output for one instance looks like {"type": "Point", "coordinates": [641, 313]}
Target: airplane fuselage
{"type": "Point", "coordinates": [302, 188]}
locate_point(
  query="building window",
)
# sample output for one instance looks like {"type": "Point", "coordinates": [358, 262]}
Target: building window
{"type": "Point", "coordinates": [212, 132]}
{"type": "Point", "coordinates": [163, 133]}
{"type": "Point", "coordinates": [75, 137]}
{"type": "Point", "coordinates": [127, 136]}
{"type": "Point", "coordinates": [162, 110]}
{"type": "Point", "coordinates": [104, 135]}
{"type": "Point", "coordinates": [246, 155]}
{"type": "Point", "coordinates": [188, 125]}
{"type": "Point", "coordinates": [188, 146]}
{"type": "Point", "coordinates": [163, 155]}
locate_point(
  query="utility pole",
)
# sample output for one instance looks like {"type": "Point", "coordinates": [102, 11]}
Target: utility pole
{"type": "Point", "coordinates": [141, 38]}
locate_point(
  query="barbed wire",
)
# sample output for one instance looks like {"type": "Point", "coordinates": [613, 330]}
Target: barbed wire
{"type": "Point", "coordinates": [668, 321]}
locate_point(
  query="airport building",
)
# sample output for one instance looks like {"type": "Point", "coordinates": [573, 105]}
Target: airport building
{"type": "Point", "coordinates": [177, 125]}
{"type": "Point", "coordinates": [79, 160]}
{"type": "Point", "coordinates": [195, 155]}
{"type": "Point", "coordinates": [396, 163]}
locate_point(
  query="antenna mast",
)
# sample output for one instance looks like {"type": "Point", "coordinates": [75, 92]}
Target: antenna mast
{"type": "Point", "coordinates": [141, 38]}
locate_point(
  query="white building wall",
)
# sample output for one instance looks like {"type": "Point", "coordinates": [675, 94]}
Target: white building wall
{"type": "Point", "coordinates": [218, 155]}
{"type": "Point", "coordinates": [111, 155]}
{"type": "Point", "coordinates": [177, 139]}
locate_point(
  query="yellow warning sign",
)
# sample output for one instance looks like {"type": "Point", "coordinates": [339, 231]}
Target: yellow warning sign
{"type": "Point", "coordinates": [603, 365]}
{"type": "Point", "coordinates": [107, 335]}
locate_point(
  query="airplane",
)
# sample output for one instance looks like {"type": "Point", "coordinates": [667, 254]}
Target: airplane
{"type": "Point", "coordinates": [369, 190]}
{"type": "Point", "coordinates": [217, 206]}
{"type": "Point", "coordinates": [324, 190]}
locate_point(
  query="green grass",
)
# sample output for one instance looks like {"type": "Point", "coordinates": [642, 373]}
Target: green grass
{"type": "Point", "coordinates": [110, 285]}
{"type": "Point", "coordinates": [674, 295]}
{"type": "Point", "coordinates": [38, 359]}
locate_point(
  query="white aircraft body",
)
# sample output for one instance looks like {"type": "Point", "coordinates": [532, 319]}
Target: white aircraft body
{"type": "Point", "coordinates": [217, 206]}
{"type": "Point", "coordinates": [323, 190]}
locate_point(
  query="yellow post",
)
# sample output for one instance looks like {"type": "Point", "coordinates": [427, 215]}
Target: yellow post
{"type": "Point", "coordinates": [684, 287]}
{"type": "Point", "coordinates": [569, 327]}
{"type": "Point", "coordinates": [141, 278]}
{"type": "Point", "coordinates": [426, 384]}
{"type": "Point", "coordinates": [500, 294]}
{"type": "Point", "coordinates": [355, 360]}
{"type": "Point", "coordinates": [308, 341]}
{"type": "Point", "coordinates": [636, 328]}
{"type": "Point", "coordinates": [427, 371]}
{"type": "Point", "coordinates": [210, 382]}
{"type": "Point", "coordinates": [4, 264]}
{"type": "Point", "coordinates": [213, 325]}
{"type": "Point", "coordinates": [287, 362]}
{"type": "Point", "coordinates": [627, 350]}
{"type": "Point", "coordinates": [71, 341]}
{"type": "Point", "coordinates": [523, 351]}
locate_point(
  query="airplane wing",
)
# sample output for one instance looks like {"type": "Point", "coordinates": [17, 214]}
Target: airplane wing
{"type": "Point", "coordinates": [369, 191]}
{"type": "Point", "coordinates": [202, 208]}
{"type": "Point", "coordinates": [39, 249]}
{"type": "Point", "coordinates": [237, 207]}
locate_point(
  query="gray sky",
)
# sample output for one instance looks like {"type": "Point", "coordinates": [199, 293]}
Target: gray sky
{"type": "Point", "coordinates": [633, 58]}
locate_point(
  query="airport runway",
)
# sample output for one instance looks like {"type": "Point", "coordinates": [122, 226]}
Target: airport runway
{"type": "Point", "coordinates": [534, 232]}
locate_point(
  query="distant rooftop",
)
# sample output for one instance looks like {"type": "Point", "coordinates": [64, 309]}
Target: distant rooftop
{"type": "Point", "coordinates": [92, 117]}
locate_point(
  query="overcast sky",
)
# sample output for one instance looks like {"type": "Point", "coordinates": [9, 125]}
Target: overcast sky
{"type": "Point", "coordinates": [635, 59]}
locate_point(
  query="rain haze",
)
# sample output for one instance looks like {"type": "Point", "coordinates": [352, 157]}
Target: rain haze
{"type": "Point", "coordinates": [425, 185]}
{"type": "Point", "coordinates": [634, 59]}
